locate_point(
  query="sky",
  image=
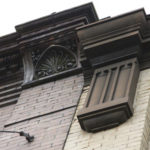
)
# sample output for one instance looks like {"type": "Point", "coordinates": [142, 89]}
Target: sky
{"type": "Point", "coordinates": [15, 12]}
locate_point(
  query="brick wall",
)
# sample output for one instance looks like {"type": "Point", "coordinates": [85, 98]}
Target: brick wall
{"type": "Point", "coordinates": [5, 113]}
{"type": "Point", "coordinates": [132, 135]}
{"type": "Point", "coordinates": [45, 111]}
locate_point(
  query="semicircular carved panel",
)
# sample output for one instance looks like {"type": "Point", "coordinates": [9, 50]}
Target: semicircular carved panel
{"type": "Point", "coordinates": [55, 59]}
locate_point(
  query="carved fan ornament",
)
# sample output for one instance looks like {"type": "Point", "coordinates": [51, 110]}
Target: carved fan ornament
{"type": "Point", "coordinates": [55, 59]}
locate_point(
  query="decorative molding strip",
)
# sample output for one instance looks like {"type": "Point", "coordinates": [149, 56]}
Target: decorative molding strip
{"type": "Point", "coordinates": [63, 109]}
{"type": "Point", "coordinates": [10, 93]}
{"type": "Point", "coordinates": [53, 77]}
{"type": "Point", "coordinates": [11, 62]}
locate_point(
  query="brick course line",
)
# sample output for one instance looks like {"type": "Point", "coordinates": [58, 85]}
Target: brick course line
{"type": "Point", "coordinates": [7, 125]}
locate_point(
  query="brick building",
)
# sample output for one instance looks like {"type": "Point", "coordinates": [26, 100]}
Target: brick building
{"type": "Point", "coordinates": [75, 82]}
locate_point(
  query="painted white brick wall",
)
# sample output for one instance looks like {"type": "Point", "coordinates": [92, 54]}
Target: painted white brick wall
{"type": "Point", "coordinates": [131, 135]}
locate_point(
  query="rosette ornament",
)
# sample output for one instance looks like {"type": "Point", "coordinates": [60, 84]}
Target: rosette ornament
{"type": "Point", "coordinates": [55, 59]}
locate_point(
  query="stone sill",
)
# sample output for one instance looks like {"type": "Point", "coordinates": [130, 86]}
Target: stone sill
{"type": "Point", "coordinates": [52, 77]}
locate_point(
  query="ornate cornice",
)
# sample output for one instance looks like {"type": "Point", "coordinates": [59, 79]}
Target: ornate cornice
{"type": "Point", "coordinates": [106, 41]}
{"type": "Point", "coordinates": [34, 40]}
{"type": "Point", "coordinates": [84, 11]}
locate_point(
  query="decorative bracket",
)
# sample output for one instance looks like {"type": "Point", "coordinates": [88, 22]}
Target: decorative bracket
{"type": "Point", "coordinates": [110, 97]}
{"type": "Point", "coordinates": [113, 48]}
{"type": "Point", "coordinates": [28, 67]}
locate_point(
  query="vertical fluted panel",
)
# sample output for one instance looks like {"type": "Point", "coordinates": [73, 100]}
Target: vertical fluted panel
{"type": "Point", "coordinates": [98, 89]}
{"type": "Point", "coordinates": [111, 83]}
{"type": "Point", "coordinates": [121, 85]}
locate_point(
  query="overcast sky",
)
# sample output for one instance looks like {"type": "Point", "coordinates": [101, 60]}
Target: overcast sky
{"type": "Point", "coordinates": [15, 12]}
